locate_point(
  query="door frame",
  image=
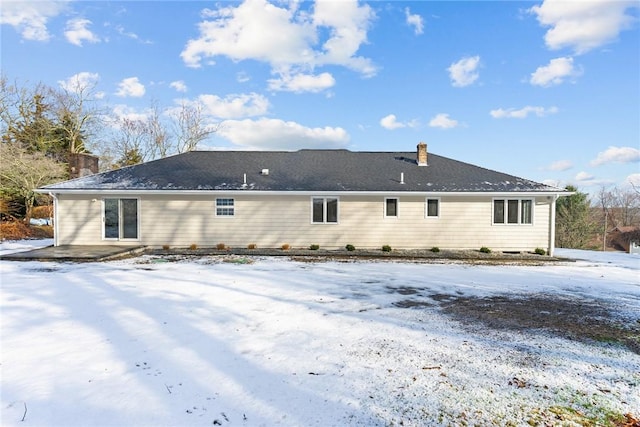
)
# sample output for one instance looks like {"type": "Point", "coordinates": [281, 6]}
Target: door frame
{"type": "Point", "coordinates": [120, 222]}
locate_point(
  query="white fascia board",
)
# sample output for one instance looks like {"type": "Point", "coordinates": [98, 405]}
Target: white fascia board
{"type": "Point", "coordinates": [311, 193]}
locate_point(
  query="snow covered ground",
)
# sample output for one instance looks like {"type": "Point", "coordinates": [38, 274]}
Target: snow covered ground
{"type": "Point", "coordinates": [239, 341]}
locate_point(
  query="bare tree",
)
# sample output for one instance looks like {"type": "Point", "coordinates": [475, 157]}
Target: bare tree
{"type": "Point", "coordinates": [190, 127]}
{"type": "Point", "coordinates": [160, 140]}
{"type": "Point", "coordinates": [622, 207]}
{"type": "Point", "coordinates": [627, 204]}
{"type": "Point", "coordinates": [79, 118]}
{"type": "Point", "coordinates": [22, 171]}
{"type": "Point", "coordinates": [133, 142]}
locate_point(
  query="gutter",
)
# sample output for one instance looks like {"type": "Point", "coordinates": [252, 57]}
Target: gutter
{"type": "Point", "coordinates": [236, 192]}
{"type": "Point", "coordinates": [54, 196]}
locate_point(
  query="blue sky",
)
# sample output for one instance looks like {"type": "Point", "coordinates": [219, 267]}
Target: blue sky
{"type": "Point", "coordinates": [547, 90]}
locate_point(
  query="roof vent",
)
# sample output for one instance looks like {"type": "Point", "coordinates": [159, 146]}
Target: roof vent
{"type": "Point", "coordinates": [264, 172]}
{"type": "Point", "coordinates": [422, 154]}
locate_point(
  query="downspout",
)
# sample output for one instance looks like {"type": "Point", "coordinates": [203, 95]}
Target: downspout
{"type": "Point", "coordinates": [55, 218]}
{"type": "Point", "coordinates": [552, 225]}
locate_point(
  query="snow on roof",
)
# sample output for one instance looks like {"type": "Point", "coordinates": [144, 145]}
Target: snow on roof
{"type": "Point", "coordinates": [304, 170]}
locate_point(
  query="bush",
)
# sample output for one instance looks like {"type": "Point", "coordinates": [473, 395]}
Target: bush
{"type": "Point", "coordinates": [18, 230]}
{"type": "Point", "coordinates": [166, 247]}
{"type": "Point", "coordinates": [435, 249]}
{"type": "Point", "coordinates": [285, 247]}
{"type": "Point", "coordinates": [252, 246]}
{"type": "Point", "coordinates": [42, 211]}
{"type": "Point", "coordinates": [350, 247]}
{"type": "Point", "coordinates": [221, 246]}
{"type": "Point", "coordinates": [540, 251]}
{"type": "Point", "coordinates": [193, 246]}
{"type": "Point", "coordinates": [386, 248]}
{"type": "Point", "coordinates": [485, 250]}
{"type": "Point", "coordinates": [314, 247]}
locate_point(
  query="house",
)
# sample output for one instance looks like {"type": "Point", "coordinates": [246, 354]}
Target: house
{"type": "Point", "coordinates": [626, 239]}
{"type": "Point", "coordinates": [326, 197]}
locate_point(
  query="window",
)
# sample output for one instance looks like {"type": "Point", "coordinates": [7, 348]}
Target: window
{"type": "Point", "coordinates": [433, 208]}
{"type": "Point", "coordinates": [225, 207]}
{"type": "Point", "coordinates": [512, 211]}
{"type": "Point", "coordinates": [324, 210]}
{"type": "Point", "coordinates": [526, 211]}
{"type": "Point", "coordinates": [120, 219]}
{"type": "Point", "coordinates": [391, 208]}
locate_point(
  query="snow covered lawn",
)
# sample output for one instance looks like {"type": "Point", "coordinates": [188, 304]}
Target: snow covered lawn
{"type": "Point", "coordinates": [240, 341]}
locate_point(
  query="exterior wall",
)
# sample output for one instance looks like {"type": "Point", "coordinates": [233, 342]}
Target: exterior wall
{"type": "Point", "coordinates": [465, 222]}
{"type": "Point", "coordinates": [78, 220]}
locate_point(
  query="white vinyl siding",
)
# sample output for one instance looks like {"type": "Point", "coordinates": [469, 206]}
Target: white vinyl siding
{"type": "Point", "coordinates": [465, 222]}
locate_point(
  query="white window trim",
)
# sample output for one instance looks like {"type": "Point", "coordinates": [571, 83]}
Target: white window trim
{"type": "Point", "coordinates": [397, 215]}
{"type": "Point", "coordinates": [215, 207]}
{"type": "Point", "coordinates": [324, 210]}
{"type": "Point", "coordinates": [426, 207]}
{"type": "Point", "coordinates": [138, 219]}
{"type": "Point", "coordinates": [506, 211]}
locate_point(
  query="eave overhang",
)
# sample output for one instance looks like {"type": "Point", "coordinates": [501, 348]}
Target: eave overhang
{"type": "Point", "coordinates": [238, 192]}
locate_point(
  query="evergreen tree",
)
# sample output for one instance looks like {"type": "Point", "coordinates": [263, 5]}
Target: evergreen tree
{"type": "Point", "coordinates": [574, 226]}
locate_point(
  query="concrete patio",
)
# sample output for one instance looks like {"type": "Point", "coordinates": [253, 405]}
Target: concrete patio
{"type": "Point", "coordinates": [74, 253]}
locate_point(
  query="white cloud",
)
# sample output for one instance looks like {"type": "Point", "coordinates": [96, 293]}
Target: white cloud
{"type": "Point", "coordinates": [617, 155]}
{"type": "Point", "coordinates": [554, 73]}
{"type": "Point", "coordinates": [234, 106]}
{"type": "Point", "coordinates": [242, 77]}
{"type": "Point", "coordinates": [121, 111]}
{"type": "Point", "coordinates": [587, 180]}
{"type": "Point", "coordinates": [443, 121]}
{"type": "Point", "coordinates": [522, 113]}
{"type": "Point", "coordinates": [286, 38]}
{"type": "Point", "coordinates": [464, 72]}
{"type": "Point", "coordinates": [274, 134]}
{"type": "Point", "coordinates": [179, 86]}
{"type": "Point", "coordinates": [83, 82]}
{"type": "Point", "coordinates": [391, 122]}
{"type": "Point", "coordinates": [582, 25]}
{"type": "Point", "coordinates": [299, 83]}
{"type": "Point", "coordinates": [131, 87]}
{"type": "Point", "coordinates": [583, 176]}
{"type": "Point", "coordinates": [77, 31]}
{"type": "Point", "coordinates": [30, 18]}
{"type": "Point", "coordinates": [347, 22]}
{"type": "Point", "coordinates": [634, 179]}
{"type": "Point", "coordinates": [560, 165]}
{"type": "Point", "coordinates": [414, 21]}
{"type": "Point", "coordinates": [79, 81]}
{"type": "Point", "coordinates": [123, 32]}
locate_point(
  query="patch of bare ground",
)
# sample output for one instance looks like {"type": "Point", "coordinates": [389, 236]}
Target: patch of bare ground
{"type": "Point", "coordinates": [570, 317]}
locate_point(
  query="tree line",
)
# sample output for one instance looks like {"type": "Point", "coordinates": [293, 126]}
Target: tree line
{"type": "Point", "coordinates": [41, 126]}
{"type": "Point", "coordinates": [584, 223]}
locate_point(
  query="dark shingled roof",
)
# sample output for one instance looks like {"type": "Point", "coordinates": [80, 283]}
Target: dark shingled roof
{"type": "Point", "coordinates": [304, 170]}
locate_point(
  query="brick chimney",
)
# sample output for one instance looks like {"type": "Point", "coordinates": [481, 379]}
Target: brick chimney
{"type": "Point", "coordinates": [422, 154]}
{"type": "Point", "coordinates": [81, 164]}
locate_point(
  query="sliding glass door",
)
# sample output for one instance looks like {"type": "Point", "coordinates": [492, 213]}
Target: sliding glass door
{"type": "Point", "coordinates": [120, 219]}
